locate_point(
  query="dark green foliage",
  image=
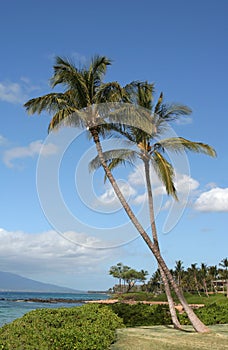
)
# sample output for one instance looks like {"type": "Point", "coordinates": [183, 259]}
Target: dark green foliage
{"type": "Point", "coordinates": [81, 328]}
{"type": "Point", "coordinates": [142, 315]}
{"type": "Point", "coordinates": [190, 297]}
{"type": "Point", "coordinates": [215, 313]}
{"type": "Point", "coordinates": [138, 296]}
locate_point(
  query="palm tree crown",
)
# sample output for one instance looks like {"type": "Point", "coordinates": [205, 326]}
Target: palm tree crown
{"type": "Point", "coordinates": [84, 88]}
{"type": "Point", "coordinates": [149, 149]}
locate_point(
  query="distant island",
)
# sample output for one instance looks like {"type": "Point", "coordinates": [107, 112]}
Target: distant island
{"type": "Point", "coordinates": [10, 282]}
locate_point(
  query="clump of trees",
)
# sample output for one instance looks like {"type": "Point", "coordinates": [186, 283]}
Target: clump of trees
{"type": "Point", "coordinates": [194, 279]}
{"type": "Point", "coordinates": [127, 277]}
{"type": "Point", "coordinates": [200, 279]}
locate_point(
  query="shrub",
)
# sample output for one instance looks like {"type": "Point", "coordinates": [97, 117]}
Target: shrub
{"type": "Point", "coordinates": [81, 328]}
{"type": "Point", "coordinates": [142, 314]}
{"type": "Point", "coordinates": [215, 313]}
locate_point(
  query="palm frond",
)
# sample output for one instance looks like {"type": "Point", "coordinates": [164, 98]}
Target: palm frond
{"type": "Point", "coordinates": [140, 93]}
{"type": "Point", "coordinates": [67, 117]}
{"type": "Point", "coordinates": [98, 68]}
{"type": "Point", "coordinates": [114, 158]}
{"type": "Point", "coordinates": [170, 112]}
{"type": "Point", "coordinates": [94, 74]}
{"type": "Point", "coordinates": [110, 92]}
{"type": "Point", "coordinates": [179, 144]}
{"type": "Point", "coordinates": [50, 103]}
{"type": "Point", "coordinates": [132, 116]}
{"type": "Point", "coordinates": [67, 74]}
{"type": "Point", "coordinates": [119, 130]}
{"type": "Point", "coordinates": [165, 172]}
{"type": "Point", "coordinates": [158, 104]}
{"type": "Point", "coordinates": [145, 95]}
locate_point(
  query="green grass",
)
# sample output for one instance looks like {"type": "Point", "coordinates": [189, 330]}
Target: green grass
{"type": "Point", "coordinates": [191, 298]}
{"type": "Point", "coordinates": [167, 338]}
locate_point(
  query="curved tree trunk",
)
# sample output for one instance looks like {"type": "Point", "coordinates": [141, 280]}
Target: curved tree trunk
{"type": "Point", "coordinates": [172, 309]}
{"type": "Point", "coordinates": [195, 321]}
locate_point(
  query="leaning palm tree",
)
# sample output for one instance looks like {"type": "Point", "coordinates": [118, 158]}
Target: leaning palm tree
{"type": "Point", "coordinates": [77, 107]}
{"type": "Point", "coordinates": [142, 95]}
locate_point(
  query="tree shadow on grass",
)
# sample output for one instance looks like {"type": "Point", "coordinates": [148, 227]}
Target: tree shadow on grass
{"type": "Point", "coordinates": [180, 329]}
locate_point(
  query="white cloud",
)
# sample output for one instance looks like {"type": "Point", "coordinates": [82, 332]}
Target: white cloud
{"type": "Point", "coordinates": [215, 199]}
{"type": "Point", "coordinates": [109, 196]}
{"type": "Point", "coordinates": [33, 149]}
{"type": "Point", "coordinates": [16, 92]}
{"type": "Point", "coordinates": [185, 183]}
{"type": "Point", "coordinates": [12, 92]}
{"type": "Point", "coordinates": [25, 253]}
{"type": "Point", "coordinates": [141, 198]}
{"type": "Point", "coordinates": [3, 140]}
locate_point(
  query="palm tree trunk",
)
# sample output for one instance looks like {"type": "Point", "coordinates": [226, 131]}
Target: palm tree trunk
{"type": "Point", "coordinates": [172, 309]}
{"type": "Point", "coordinates": [195, 321]}
{"type": "Point", "coordinates": [205, 287]}
{"type": "Point", "coordinates": [197, 285]}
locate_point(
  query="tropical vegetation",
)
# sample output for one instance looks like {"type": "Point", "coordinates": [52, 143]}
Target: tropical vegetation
{"type": "Point", "coordinates": [87, 327]}
{"type": "Point", "coordinates": [199, 280]}
{"type": "Point", "coordinates": [84, 103]}
{"type": "Point", "coordinates": [129, 276]}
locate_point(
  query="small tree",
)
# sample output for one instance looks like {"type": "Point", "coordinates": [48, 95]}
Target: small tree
{"type": "Point", "coordinates": [117, 272]}
{"type": "Point", "coordinates": [128, 275]}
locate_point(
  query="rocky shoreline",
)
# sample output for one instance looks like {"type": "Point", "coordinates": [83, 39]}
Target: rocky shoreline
{"type": "Point", "coordinates": [48, 300]}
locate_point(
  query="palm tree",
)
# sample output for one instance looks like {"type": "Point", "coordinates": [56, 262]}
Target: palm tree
{"type": "Point", "coordinates": [213, 275]}
{"type": "Point", "coordinates": [142, 94]}
{"type": "Point", "coordinates": [203, 274]}
{"type": "Point", "coordinates": [179, 269]}
{"type": "Point", "coordinates": [224, 264]}
{"type": "Point", "coordinates": [194, 270]}
{"type": "Point", "coordinates": [84, 90]}
{"type": "Point", "coordinates": [155, 284]}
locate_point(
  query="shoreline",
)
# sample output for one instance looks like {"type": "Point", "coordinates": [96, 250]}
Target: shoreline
{"type": "Point", "coordinates": [97, 301]}
{"type": "Point", "coordinates": [179, 307]}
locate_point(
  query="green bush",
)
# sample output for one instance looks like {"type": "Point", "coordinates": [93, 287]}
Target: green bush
{"type": "Point", "coordinates": [80, 328]}
{"type": "Point", "coordinates": [139, 296]}
{"type": "Point", "coordinates": [215, 313]}
{"type": "Point", "coordinates": [142, 314]}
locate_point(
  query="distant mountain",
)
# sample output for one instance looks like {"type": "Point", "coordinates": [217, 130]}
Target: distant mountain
{"type": "Point", "coordinates": [15, 283]}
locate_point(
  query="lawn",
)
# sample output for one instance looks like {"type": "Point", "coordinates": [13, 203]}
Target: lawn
{"type": "Point", "coordinates": [167, 338]}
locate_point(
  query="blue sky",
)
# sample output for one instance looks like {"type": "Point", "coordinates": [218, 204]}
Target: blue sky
{"type": "Point", "coordinates": [62, 225]}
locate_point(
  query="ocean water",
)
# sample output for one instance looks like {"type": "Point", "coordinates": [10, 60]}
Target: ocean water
{"type": "Point", "coordinates": [15, 304]}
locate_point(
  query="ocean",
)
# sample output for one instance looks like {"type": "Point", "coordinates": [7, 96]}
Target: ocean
{"type": "Point", "coordinates": [15, 304]}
